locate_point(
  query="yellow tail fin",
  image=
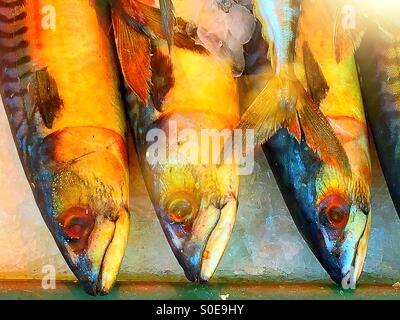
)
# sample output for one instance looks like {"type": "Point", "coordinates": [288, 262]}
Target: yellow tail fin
{"type": "Point", "coordinates": [284, 103]}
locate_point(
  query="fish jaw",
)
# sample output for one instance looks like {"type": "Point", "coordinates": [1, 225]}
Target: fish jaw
{"type": "Point", "coordinates": [80, 181]}
{"type": "Point", "coordinates": [340, 245]}
{"type": "Point", "coordinates": [344, 258]}
{"type": "Point", "coordinates": [200, 250]}
{"type": "Point", "coordinates": [97, 265]}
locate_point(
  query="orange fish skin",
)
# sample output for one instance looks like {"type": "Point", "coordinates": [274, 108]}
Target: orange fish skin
{"type": "Point", "coordinates": [60, 89]}
{"type": "Point", "coordinates": [189, 89]}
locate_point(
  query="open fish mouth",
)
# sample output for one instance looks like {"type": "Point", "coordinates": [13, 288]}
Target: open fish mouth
{"type": "Point", "coordinates": [200, 246]}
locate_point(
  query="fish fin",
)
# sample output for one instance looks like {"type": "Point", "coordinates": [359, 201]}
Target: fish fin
{"type": "Point", "coordinates": [277, 106]}
{"type": "Point", "coordinates": [46, 96]}
{"type": "Point", "coordinates": [148, 20]}
{"type": "Point", "coordinates": [346, 41]}
{"type": "Point", "coordinates": [167, 19]}
{"type": "Point", "coordinates": [360, 192]}
{"type": "Point", "coordinates": [320, 136]}
{"type": "Point", "coordinates": [316, 81]}
{"type": "Point", "coordinates": [133, 48]}
{"type": "Point", "coordinates": [162, 77]}
{"type": "Point", "coordinates": [265, 115]}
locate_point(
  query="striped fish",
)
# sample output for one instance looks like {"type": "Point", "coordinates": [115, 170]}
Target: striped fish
{"type": "Point", "coordinates": [379, 63]}
{"type": "Point", "coordinates": [60, 89]}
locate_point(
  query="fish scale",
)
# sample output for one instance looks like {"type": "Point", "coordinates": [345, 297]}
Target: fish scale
{"type": "Point", "coordinates": [388, 65]}
{"type": "Point", "coordinates": [16, 66]}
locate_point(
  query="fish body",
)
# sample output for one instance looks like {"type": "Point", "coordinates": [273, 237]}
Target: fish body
{"type": "Point", "coordinates": [379, 62]}
{"type": "Point", "coordinates": [60, 90]}
{"type": "Point", "coordinates": [187, 91]}
{"type": "Point", "coordinates": [284, 101]}
{"type": "Point", "coordinates": [330, 207]}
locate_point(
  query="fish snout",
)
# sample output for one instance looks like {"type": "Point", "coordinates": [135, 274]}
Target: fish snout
{"type": "Point", "coordinates": [345, 261]}
{"type": "Point", "coordinates": [199, 242]}
{"type": "Point", "coordinates": [95, 249]}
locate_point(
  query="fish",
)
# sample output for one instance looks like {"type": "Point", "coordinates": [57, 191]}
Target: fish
{"type": "Point", "coordinates": [378, 59]}
{"type": "Point", "coordinates": [330, 206]}
{"type": "Point", "coordinates": [284, 102]}
{"type": "Point", "coordinates": [175, 88]}
{"type": "Point", "coordinates": [60, 90]}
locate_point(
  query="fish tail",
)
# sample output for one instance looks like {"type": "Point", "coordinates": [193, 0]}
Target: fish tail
{"type": "Point", "coordinates": [284, 103]}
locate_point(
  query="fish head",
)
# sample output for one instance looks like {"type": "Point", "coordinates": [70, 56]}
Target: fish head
{"type": "Point", "coordinates": [195, 200]}
{"type": "Point", "coordinates": [82, 184]}
{"type": "Point", "coordinates": [343, 223]}
{"type": "Point", "coordinates": [331, 210]}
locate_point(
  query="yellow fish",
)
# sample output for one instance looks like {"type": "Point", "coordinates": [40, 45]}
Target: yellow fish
{"type": "Point", "coordinates": [60, 89]}
{"type": "Point", "coordinates": [173, 91]}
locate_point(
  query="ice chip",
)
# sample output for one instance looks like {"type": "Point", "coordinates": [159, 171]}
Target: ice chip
{"type": "Point", "coordinates": [241, 23]}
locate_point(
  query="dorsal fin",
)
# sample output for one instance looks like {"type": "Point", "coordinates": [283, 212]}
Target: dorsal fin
{"type": "Point", "coordinates": [46, 96]}
{"type": "Point", "coordinates": [317, 85]}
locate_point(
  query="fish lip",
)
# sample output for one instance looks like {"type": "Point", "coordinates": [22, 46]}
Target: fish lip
{"type": "Point", "coordinates": [99, 285]}
{"type": "Point", "coordinates": [202, 272]}
{"type": "Point", "coordinates": [353, 270]}
{"type": "Point", "coordinates": [96, 288]}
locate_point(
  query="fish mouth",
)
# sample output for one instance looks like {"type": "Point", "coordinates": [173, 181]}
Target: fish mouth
{"type": "Point", "coordinates": [345, 263]}
{"type": "Point", "coordinates": [200, 250]}
{"type": "Point", "coordinates": [97, 266]}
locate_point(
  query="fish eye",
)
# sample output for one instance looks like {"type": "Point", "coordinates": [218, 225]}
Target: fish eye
{"type": "Point", "coordinates": [334, 212]}
{"type": "Point", "coordinates": [76, 223]}
{"type": "Point", "coordinates": [180, 208]}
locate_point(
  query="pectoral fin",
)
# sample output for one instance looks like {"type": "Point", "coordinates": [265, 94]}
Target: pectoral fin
{"type": "Point", "coordinates": [46, 96]}
{"type": "Point", "coordinates": [316, 81]}
{"type": "Point", "coordinates": [320, 136]}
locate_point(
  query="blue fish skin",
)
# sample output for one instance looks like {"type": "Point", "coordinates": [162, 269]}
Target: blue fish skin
{"type": "Point", "coordinates": [379, 64]}
{"type": "Point", "coordinates": [295, 167]}
{"type": "Point", "coordinates": [329, 202]}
